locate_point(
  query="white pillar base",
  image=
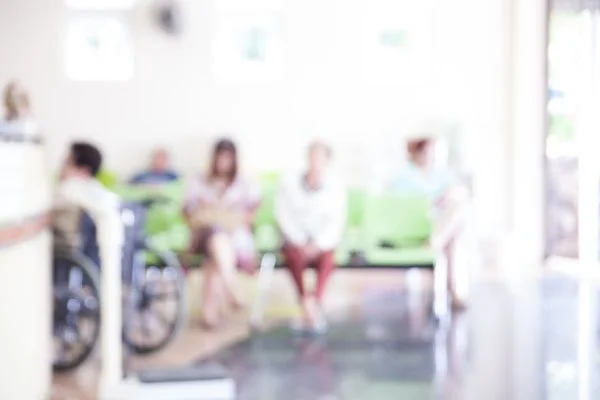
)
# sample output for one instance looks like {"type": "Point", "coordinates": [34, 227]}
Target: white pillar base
{"type": "Point", "coordinates": [132, 388]}
{"type": "Point", "coordinates": [519, 260]}
{"type": "Point", "coordinates": [121, 391]}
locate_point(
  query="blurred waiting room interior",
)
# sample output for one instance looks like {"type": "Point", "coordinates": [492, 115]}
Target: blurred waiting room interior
{"type": "Point", "coordinates": [227, 199]}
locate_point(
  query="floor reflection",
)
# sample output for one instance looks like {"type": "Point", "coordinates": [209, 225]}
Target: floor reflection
{"type": "Point", "coordinates": [382, 351]}
{"type": "Point", "coordinates": [537, 341]}
{"type": "Point", "coordinates": [570, 339]}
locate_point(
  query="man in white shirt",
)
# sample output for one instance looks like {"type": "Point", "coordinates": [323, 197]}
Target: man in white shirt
{"type": "Point", "coordinates": [310, 209]}
{"type": "Point", "coordinates": [78, 190]}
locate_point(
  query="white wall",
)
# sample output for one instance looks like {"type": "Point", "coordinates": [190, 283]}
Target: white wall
{"type": "Point", "coordinates": [25, 299]}
{"type": "Point", "coordinates": [468, 76]}
{"type": "Point", "coordinates": [174, 100]}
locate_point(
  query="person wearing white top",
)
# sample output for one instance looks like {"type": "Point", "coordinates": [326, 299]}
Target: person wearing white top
{"type": "Point", "coordinates": [78, 189]}
{"type": "Point", "coordinates": [310, 209]}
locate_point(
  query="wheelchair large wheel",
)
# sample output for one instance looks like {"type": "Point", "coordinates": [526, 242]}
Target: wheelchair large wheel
{"type": "Point", "coordinates": [76, 314]}
{"type": "Point", "coordinates": [156, 305]}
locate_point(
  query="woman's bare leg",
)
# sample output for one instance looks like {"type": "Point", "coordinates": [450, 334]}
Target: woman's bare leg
{"type": "Point", "coordinates": [211, 296]}
{"type": "Point", "coordinates": [223, 256]}
{"type": "Point", "coordinates": [456, 301]}
{"type": "Point", "coordinates": [447, 229]}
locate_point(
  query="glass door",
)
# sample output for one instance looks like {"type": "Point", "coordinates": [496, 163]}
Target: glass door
{"type": "Point", "coordinates": [571, 148]}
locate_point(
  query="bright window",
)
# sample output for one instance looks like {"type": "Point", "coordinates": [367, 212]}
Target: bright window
{"type": "Point", "coordinates": [100, 4]}
{"type": "Point", "coordinates": [98, 48]}
{"type": "Point", "coordinates": [98, 41]}
{"type": "Point", "coordinates": [397, 40]}
{"type": "Point", "coordinates": [247, 41]}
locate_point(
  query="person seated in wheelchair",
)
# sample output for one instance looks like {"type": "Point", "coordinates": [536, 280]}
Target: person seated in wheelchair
{"type": "Point", "coordinates": [447, 197]}
{"type": "Point", "coordinates": [91, 221]}
{"type": "Point", "coordinates": [80, 201]}
{"type": "Point", "coordinates": [310, 209]}
{"type": "Point", "coordinates": [220, 207]}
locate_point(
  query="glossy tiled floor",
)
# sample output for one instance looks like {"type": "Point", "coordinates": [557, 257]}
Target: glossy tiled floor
{"type": "Point", "coordinates": [532, 341]}
{"type": "Point", "coordinates": [536, 341]}
{"type": "Point", "coordinates": [382, 352]}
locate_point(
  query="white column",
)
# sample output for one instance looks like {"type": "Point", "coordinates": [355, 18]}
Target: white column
{"type": "Point", "coordinates": [588, 201]}
{"type": "Point", "coordinates": [525, 255]}
{"type": "Point", "coordinates": [587, 140]}
{"type": "Point", "coordinates": [111, 377]}
{"type": "Point", "coordinates": [25, 297]}
{"type": "Point", "coordinates": [488, 82]}
{"type": "Point", "coordinates": [529, 136]}
{"type": "Point", "coordinates": [25, 310]}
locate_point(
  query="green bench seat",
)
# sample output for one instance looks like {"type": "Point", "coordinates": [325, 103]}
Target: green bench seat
{"type": "Point", "coordinates": [387, 230]}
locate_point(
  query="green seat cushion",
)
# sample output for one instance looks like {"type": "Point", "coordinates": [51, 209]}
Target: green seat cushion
{"type": "Point", "coordinates": [342, 256]}
{"type": "Point", "coordinates": [266, 234]}
{"type": "Point", "coordinates": [174, 191]}
{"type": "Point", "coordinates": [356, 207]}
{"type": "Point", "coordinates": [175, 239]}
{"type": "Point", "coordinates": [267, 238]}
{"type": "Point", "coordinates": [265, 214]}
{"type": "Point", "coordinates": [423, 255]}
{"type": "Point", "coordinates": [108, 179]}
{"type": "Point", "coordinates": [161, 217]}
{"type": "Point", "coordinates": [353, 239]}
{"type": "Point", "coordinates": [400, 220]}
{"type": "Point", "coordinates": [396, 226]}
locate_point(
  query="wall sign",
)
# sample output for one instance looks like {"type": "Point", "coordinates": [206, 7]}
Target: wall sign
{"type": "Point", "coordinates": [247, 47]}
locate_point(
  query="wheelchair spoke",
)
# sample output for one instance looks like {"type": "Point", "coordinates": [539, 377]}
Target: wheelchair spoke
{"type": "Point", "coordinates": [162, 295]}
{"type": "Point", "coordinates": [159, 310]}
{"type": "Point", "coordinates": [71, 343]}
{"type": "Point", "coordinates": [63, 349]}
{"type": "Point", "coordinates": [161, 318]}
{"type": "Point", "coordinates": [146, 331]}
{"type": "Point", "coordinates": [76, 315]}
{"type": "Point", "coordinates": [165, 296]}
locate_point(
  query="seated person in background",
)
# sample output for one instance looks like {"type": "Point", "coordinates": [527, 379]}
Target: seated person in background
{"type": "Point", "coordinates": [220, 207]}
{"type": "Point", "coordinates": [310, 209]}
{"type": "Point", "coordinates": [78, 191]}
{"type": "Point", "coordinates": [160, 170]}
{"type": "Point", "coordinates": [447, 198]}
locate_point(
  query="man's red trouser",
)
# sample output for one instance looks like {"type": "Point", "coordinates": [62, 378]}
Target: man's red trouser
{"type": "Point", "coordinates": [296, 261]}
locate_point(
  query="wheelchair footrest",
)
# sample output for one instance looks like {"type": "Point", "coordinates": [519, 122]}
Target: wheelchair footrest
{"type": "Point", "coordinates": [203, 372]}
{"type": "Point", "coordinates": [208, 381]}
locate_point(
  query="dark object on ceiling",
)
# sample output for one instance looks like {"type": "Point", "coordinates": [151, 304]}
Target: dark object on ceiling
{"type": "Point", "coordinates": [169, 17]}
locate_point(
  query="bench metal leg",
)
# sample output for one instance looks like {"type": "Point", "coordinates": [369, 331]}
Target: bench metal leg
{"type": "Point", "coordinates": [265, 276]}
{"type": "Point", "coordinates": [441, 355]}
{"type": "Point", "coordinates": [441, 303]}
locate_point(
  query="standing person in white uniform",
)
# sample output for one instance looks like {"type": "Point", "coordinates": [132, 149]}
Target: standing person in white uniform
{"type": "Point", "coordinates": [310, 210]}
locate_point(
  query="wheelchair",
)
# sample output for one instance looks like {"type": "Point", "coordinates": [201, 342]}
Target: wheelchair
{"type": "Point", "coordinates": [154, 296]}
